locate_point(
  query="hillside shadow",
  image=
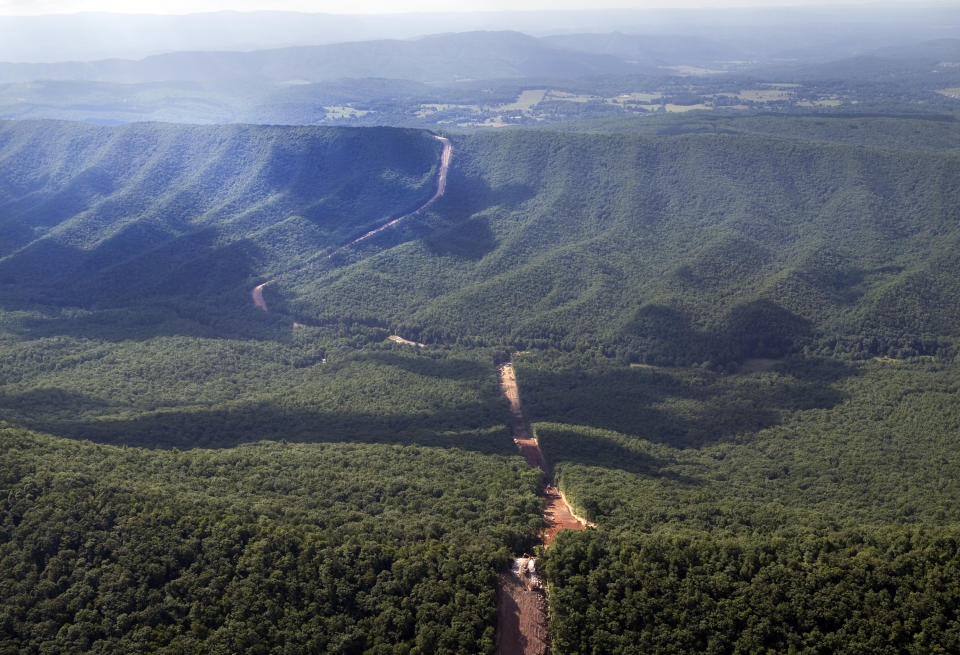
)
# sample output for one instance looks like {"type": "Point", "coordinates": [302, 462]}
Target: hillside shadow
{"type": "Point", "coordinates": [560, 445]}
{"type": "Point", "coordinates": [470, 240]}
{"type": "Point", "coordinates": [454, 226]}
{"type": "Point", "coordinates": [466, 428]}
{"type": "Point", "coordinates": [664, 335]}
{"type": "Point", "coordinates": [682, 408]}
{"type": "Point", "coordinates": [452, 369]}
{"type": "Point", "coordinates": [189, 286]}
{"type": "Point", "coordinates": [167, 317]}
{"type": "Point", "coordinates": [50, 399]}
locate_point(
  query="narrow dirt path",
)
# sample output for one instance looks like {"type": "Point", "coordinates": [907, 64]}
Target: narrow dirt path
{"type": "Point", "coordinates": [445, 156]}
{"type": "Point", "coordinates": [521, 597]}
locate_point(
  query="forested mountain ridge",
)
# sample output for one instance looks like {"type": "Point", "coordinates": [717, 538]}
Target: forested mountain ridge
{"type": "Point", "coordinates": [664, 249]}
{"type": "Point", "coordinates": [670, 249]}
{"type": "Point", "coordinates": [109, 214]}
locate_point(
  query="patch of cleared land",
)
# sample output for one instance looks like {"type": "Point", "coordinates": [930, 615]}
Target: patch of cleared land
{"type": "Point", "coordinates": [406, 342]}
{"type": "Point", "coordinates": [827, 102]}
{"type": "Point", "coordinates": [344, 111]}
{"type": "Point", "coordinates": [571, 97]}
{"type": "Point", "coordinates": [526, 100]}
{"type": "Point", "coordinates": [692, 70]}
{"type": "Point", "coordinates": [683, 108]}
{"type": "Point", "coordinates": [636, 97]}
{"type": "Point", "coordinates": [432, 108]}
{"type": "Point", "coordinates": [764, 95]}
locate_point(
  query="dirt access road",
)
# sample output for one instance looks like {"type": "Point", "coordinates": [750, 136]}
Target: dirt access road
{"type": "Point", "coordinates": [445, 156]}
{"type": "Point", "coordinates": [558, 513]}
{"type": "Point", "coordinates": [521, 597]}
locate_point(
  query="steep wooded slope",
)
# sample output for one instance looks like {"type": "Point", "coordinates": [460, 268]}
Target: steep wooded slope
{"type": "Point", "coordinates": [688, 248]}
{"type": "Point", "coordinates": [107, 215]}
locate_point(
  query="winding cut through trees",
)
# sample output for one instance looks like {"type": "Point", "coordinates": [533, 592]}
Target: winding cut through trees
{"type": "Point", "coordinates": [445, 157]}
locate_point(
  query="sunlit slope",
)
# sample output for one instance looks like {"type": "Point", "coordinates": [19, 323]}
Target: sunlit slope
{"type": "Point", "coordinates": [90, 214]}
{"type": "Point", "coordinates": [669, 249]}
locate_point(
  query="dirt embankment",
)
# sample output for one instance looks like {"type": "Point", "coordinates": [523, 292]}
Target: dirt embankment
{"type": "Point", "coordinates": [558, 514]}
{"type": "Point", "coordinates": [406, 342]}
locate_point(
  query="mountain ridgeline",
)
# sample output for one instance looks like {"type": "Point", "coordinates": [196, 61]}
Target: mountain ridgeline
{"type": "Point", "coordinates": [108, 215]}
{"type": "Point", "coordinates": [663, 250]}
{"type": "Point", "coordinates": [670, 250]}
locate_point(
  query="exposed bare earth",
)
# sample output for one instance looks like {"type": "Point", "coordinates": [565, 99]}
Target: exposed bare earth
{"type": "Point", "coordinates": [521, 605]}
{"type": "Point", "coordinates": [521, 611]}
{"type": "Point", "coordinates": [441, 188]}
{"type": "Point", "coordinates": [558, 514]}
{"type": "Point", "coordinates": [257, 294]}
{"type": "Point", "coordinates": [508, 385]}
{"type": "Point", "coordinates": [405, 342]}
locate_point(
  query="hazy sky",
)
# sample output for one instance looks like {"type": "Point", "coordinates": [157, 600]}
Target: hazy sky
{"type": "Point", "coordinates": [28, 7]}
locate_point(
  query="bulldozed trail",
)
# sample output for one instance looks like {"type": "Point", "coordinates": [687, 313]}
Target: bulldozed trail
{"type": "Point", "coordinates": [522, 626]}
{"type": "Point", "coordinates": [445, 156]}
{"type": "Point", "coordinates": [558, 513]}
{"type": "Point", "coordinates": [521, 611]}
{"type": "Point", "coordinates": [521, 596]}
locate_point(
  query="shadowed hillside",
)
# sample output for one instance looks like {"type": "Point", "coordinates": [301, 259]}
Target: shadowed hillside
{"type": "Point", "coordinates": [108, 215]}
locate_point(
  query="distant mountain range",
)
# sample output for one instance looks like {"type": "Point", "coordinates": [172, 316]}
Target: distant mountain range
{"type": "Point", "coordinates": [940, 57]}
{"type": "Point", "coordinates": [437, 59]}
{"type": "Point", "coordinates": [818, 32]}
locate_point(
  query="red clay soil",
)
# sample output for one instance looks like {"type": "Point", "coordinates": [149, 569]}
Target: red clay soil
{"type": "Point", "coordinates": [530, 449]}
{"type": "Point", "coordinates": [521, 616]}
{"type": "Point", "coordinates": [521, 600]}
{"type": "Point", "coordinates": [558, 515]}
